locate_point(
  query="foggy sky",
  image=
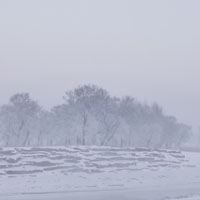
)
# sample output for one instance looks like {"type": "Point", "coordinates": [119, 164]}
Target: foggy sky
{"type": "Point", "coordinates": [146, 49]}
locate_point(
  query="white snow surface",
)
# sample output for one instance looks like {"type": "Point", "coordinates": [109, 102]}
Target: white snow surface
{"type": "Point", "coordinates": [60, 173]}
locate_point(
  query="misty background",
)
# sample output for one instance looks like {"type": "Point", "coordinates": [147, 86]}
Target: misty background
{"type": "Point", "coordinates": [145, 49]}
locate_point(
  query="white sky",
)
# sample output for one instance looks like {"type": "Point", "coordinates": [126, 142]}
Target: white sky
{"type": "Point", "coordinates": [146, 49]}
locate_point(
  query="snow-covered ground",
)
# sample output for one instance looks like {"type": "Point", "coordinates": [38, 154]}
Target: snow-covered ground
{"type": "Point", "coordinates": [60, 173]}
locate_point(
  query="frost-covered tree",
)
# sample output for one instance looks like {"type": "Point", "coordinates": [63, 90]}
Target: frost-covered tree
{"type": "Point", "coordinates": [89, 116]}
{"type": "Point", "coordinates": [19, 120]}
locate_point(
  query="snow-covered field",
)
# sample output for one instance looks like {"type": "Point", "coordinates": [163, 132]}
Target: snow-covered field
{"type": "Point", "coordinates": [60, 173]}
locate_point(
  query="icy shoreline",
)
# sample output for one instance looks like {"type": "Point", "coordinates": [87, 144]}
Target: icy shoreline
{"type": "Point", "coordinates": [98, 173]}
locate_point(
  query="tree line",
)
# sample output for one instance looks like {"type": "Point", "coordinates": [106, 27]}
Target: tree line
{"type": "Point", "coordinates": [89, 116]}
